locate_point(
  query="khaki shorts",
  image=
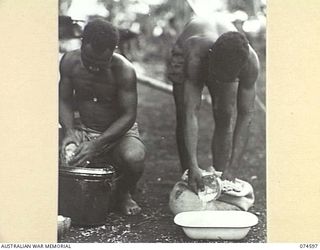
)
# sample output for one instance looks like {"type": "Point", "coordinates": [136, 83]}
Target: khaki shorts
{"type": "Point", "coordinates": [84, 134]}
{"type": "Point", "coordinates": [88, 134]}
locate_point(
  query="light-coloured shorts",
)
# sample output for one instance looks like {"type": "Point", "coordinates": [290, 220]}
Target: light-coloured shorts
{"type": "Point", "coordinates": [88, 134]}
{"type": "Point", "coordinates": [84, 134]}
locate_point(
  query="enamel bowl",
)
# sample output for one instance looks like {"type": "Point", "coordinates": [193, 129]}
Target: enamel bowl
{"type": "Point", "coordinates": [216, 225]}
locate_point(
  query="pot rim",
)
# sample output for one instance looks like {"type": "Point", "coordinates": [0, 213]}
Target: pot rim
{"type": "Point", "coordinates": [108, 171]}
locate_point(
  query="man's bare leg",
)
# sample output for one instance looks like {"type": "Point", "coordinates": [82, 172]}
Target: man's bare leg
{"type": "Point", "coordinates": [129, 155]}
{"type": "Point", "coordinates": [178, 100]}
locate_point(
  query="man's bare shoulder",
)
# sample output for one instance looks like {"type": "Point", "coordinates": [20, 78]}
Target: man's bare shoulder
{"type": "Point", "coordinates": [122, 64]}
{"type": "Point", "coordinates": [250, 72]}
{"type": "Point", "coordinates": [197, 46]}
{"type": "Point", "coordinates": [120, 61]}
{"type": "Point", "coordinates": [254, 64]}
{"type": "Point", "coordinates": [69, 60]}
{"type": "Point", "coordinates": [123, 68]}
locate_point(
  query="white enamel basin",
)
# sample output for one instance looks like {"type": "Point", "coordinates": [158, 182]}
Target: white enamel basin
{"type": "Point", "coordinates": [216, 225]}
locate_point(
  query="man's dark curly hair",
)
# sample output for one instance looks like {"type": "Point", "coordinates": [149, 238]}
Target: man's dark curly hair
{"type": "Point", "coordinates": [100, 34]}
{"type": "Point", "coordinates": [229, 53]}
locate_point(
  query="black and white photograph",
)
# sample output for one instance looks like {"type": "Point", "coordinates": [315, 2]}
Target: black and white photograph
{"type": "Point", "coordinates": [162, 121]}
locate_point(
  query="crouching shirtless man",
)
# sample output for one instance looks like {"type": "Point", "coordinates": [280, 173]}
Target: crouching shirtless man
{"type": "Point", "coordinates": [212, 53]}
{"type": "Point", "coordinates": [101, 86]}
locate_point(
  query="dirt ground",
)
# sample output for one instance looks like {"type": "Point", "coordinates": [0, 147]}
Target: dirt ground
{"type": "Point", "coordinates": [155, 223]}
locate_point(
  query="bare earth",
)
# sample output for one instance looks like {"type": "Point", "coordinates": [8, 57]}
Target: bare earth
{"type": "Point", "coordinates": [155, 223]}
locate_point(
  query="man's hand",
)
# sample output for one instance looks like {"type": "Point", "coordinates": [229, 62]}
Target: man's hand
{"type": "Point", "coordinates": [195, 180]}
{"type": "Point", "coordinates": [69, 138]}
{"type": "Point", "coordinates": [228, 175]}
{"type": "Point", "coordinates": [84, 153]}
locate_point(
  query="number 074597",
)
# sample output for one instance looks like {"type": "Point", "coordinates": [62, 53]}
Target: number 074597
{"type": "Point", "coordinates": [310, 246]}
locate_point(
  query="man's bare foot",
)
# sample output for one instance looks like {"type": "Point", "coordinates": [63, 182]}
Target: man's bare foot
{"type": "Point", "coordinates": [128, 206]}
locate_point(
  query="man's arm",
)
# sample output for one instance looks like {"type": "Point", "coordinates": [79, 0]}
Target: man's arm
{"type": "Point", "coordinates": [66, 112]}
{"type": "Point", "coordinates": [65, 95]}
{"type": "Point", "coordinates": [192, 90]}
{"type": "Point", "coordinates": [127, 99]}
{"type": "Point", "coordinates": [245, 108]}
{"type": "Point", "coordinates": [224, 110]}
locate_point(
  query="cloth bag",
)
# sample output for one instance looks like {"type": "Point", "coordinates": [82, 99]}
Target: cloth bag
{"type": "Point", "coordinates": [182, 199]}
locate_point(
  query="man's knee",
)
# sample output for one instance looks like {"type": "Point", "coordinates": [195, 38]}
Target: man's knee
{"type": "Point", "coordinates": [133, 158]}
{"type": "Point", "coordinates": [134, 155]}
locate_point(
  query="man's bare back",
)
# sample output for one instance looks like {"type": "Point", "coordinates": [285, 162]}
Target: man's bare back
{"type": "Point", "coordinates": [210, 29]}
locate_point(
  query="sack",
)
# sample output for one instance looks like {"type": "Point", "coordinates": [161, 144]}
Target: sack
{"type": "Point", "coordinates": [182, 199]}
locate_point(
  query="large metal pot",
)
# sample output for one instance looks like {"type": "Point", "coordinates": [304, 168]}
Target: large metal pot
{"type": "Point", "coordinates": [85, 194]}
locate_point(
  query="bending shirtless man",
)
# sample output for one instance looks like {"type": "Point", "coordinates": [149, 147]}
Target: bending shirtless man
{"type": "Point", "coordinates": [213, 54]}
{"type": "Point", "coordinates": [101, 86]}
